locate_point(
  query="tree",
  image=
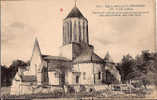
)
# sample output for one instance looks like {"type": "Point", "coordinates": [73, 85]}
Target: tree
{"type": "Point", "coordinates": [4, 76]}
{"type": "Point", "coordinates": [146, 63]}
{"type": "Point", "coordinates": [13, 69]}
{"type": "Point", "coordinates": [8, 73]}
{"type": "Point", "coordinates": [126, 66]}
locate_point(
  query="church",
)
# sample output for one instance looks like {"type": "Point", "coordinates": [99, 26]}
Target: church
{"type": "Point", "coordinates": [76, 64]}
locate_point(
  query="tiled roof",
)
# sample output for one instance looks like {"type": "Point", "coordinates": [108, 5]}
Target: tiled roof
{"type": "Point", "coordinates": [58, 58]}
{"type": "Point", "coordinates": [75, 12]}
{"type": "Point", "coordinates": [57, 62]}
{"type": "Point", "coordinates": [59, 65]}
{"type": "Point", "coordinates": [28, 78]}
{"type": "Point", "coordinates": [86, 57]}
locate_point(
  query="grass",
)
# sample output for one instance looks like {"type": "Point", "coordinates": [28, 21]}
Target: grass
{"type": "Point", "coordinates": [98, 94]}
{"type": "Point", "coordinates": [106, 93]}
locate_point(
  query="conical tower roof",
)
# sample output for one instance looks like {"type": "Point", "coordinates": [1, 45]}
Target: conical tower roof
{"type": "Point", "coordinates": [108, 58]}
{"type": "Point", "coordinates": [75, 12]}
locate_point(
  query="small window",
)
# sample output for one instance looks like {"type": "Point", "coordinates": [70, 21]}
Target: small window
{"type": "Point", "coordinates": [77, 79]}
{"type": "Point", "coordinates": [99, 75]}
{"type": "Point", "coordinates": [84, 75]}
{"type": "Point", "coordinates": [56, 74]}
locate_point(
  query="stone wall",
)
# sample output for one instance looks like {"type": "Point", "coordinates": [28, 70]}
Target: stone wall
{"type": "Point", "coordinates": [87, 88]}
{"type": "Point", "coordinates": [34, 89]}
{"type": "Point", "coordinates": [53, 78]}
{"type": "Point", "coordinates": [89, 73]}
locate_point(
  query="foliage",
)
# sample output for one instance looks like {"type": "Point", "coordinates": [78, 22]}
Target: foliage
{"type": "Point", "coordinates": [5, 76]}
{"type": "Point", "coordinates": [8, 73]}
{"type": "Point", "coordinates": [142, 67]}
{"type": "Point", "coordinates": [126, 66]}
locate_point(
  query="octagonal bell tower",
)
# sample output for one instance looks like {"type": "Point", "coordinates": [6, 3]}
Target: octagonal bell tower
{"type": "Point", "coordinates": [75, 28]}
{"type": "Point", "coordinates": [75, 34]}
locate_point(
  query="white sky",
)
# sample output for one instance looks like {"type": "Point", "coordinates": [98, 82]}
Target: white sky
{"type": "Point", "coordinates": [22, 20]}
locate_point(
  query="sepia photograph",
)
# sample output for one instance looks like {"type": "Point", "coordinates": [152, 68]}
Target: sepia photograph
{"type": "Point", "coordinates": [78, 50]}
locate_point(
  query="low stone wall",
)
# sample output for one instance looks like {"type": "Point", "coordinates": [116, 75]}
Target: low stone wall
{"type": "Point", "coordinates": [81, 90]}
{"type": "Point", "coordinates": [102, 87]}
{"type": "Point", "coordinates": [49, 89]}
{"type": "Point", "coordinates": [87, 88]}
{"type": "Point", "coordinates": [30, 89]}
{"type": "Point", "coordinates": [24, 89]}
{"type": "Point", "coordinates": [99, 87]}
{"type": "Point", "coordinates": [33, 89]}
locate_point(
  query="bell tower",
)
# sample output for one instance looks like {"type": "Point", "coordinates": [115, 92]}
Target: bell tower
{"type": "Point", "coordinates": [75, 28]}
{"type": "Point", "coordinates": [75, 34]}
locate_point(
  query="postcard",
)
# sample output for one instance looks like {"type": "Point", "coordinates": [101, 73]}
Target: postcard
{"type": "Point", "coordinates": [78, 49]}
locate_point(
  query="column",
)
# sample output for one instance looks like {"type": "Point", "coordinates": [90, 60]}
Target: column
{"type": "Point", "coordinates": [66, 33]}
{"type": "Point", "coordinates": [87, 32]}
{"type": "Point", "coordinates": [84, 36]}
{"type": "Point", "coordinates": [68, 36]}
{"type": "Point", "coordinates": [70, 31]}
{"type": "Point", "coordinates": [72, 27]}
{"type": "Point", "coordinates": [63, 34]}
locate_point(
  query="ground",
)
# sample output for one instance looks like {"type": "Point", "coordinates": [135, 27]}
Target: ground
{"type": "Point", "coordinates": [5, 90]}
{"type": "Point", "coordinates": [95, 95]}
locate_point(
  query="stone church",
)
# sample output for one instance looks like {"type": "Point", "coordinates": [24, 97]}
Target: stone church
{"type": "Point", "coordinates": [76, 64]}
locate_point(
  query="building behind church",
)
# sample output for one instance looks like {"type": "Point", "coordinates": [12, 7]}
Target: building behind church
{"type": "Point", "coordinates": [77, 63]}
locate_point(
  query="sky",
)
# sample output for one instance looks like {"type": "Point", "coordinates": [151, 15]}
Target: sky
{"type": "Point", "coordinates": [23, 20]}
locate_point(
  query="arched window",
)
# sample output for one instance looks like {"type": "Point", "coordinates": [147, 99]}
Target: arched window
{"type": "Point", "coordinates": [74, 32]}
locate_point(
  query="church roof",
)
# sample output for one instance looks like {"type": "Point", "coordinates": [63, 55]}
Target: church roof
{"type": "Point", "coordinates": [88, 58]}
{"type": "Point", "coordinates": [59, 58]}
{"type": "Point", "coordinates": [75, 12]}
